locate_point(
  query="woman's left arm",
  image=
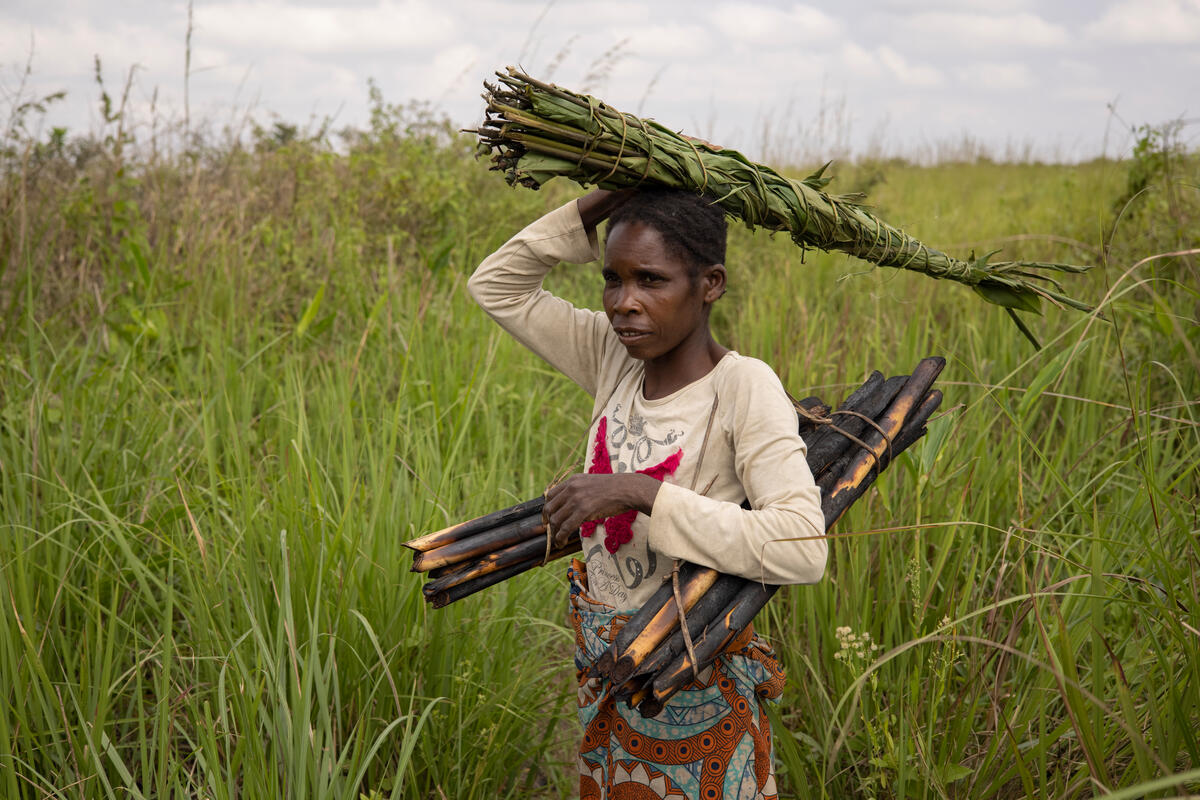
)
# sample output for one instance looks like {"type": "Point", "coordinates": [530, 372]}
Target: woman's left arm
{"type": "Point", "coordinates": [780, 540]}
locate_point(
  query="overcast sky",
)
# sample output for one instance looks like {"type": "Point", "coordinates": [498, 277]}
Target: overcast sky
{"type": "Point", "coordinates": [774, 78]}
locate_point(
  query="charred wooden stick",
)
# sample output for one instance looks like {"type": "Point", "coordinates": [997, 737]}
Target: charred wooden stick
{"type": "Point", "coordinates": [499, 559]}
{"type": "Point", "coordinates": [848, 421]}
{"type": "Point", "coordinates": [634, 690]}
{"type": "Point", "coordinates": [831, 476]}
{"type": "Point", "coordinates": [734, 619]}
{"type": "Point", "coordinates": [471, 527]}
{"type": "Point", "coordinates": [810, 411]}
{"type": "Point", "coordinates": [879, 441]}
{"type": "Point", "coordinates": [714, 601]}
{"type": "Point", "coordinates": [637, 622]}
{"type": "Point", "coordinates": [853, 401]}
{"type": "Point", "coordinates": [445, 598]}
{"type": "Point", "coordinates": [539, 535]}
{"type": "Point", "coordinates": [467, 588]}
{"type": "Point", "coordinates": [481, 543]}
{"type": "Point", "coordinates": [914, 429]}
{"type": "Point", "coordinates": [663, 623]}
{"type": "Point", "coordinates": [635, 699]}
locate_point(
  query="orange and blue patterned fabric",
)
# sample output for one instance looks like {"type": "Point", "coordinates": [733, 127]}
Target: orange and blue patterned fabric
{"type": "Point", "coordinates": [712, 739]}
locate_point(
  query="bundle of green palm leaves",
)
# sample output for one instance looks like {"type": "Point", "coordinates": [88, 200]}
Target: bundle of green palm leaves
{"type": "Point", "coordinates": [536, 131]}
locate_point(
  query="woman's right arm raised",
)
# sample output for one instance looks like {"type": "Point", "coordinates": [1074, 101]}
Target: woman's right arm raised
{"type": "Point", "coordinates": [508, 286]}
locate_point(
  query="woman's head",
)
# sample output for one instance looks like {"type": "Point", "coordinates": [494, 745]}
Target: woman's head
{"type": "Point", "coordinates": [663, 269]}
{"type": "Point", "coordinates": [692, 226]}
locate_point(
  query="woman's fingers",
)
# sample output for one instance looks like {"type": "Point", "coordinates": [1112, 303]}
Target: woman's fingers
{"type": "Point", "coordinates": [571, 503]}
{"type": "Point", "coordinates": [598, 204]}
{"type": "Point", "coordinates": [580, 498]}
{"type": "Point", "coordinates": [566, 520]}
{"type": "Point", "coordinates": [561, 538]}
{"type": "Point", "coordinates": [553, 514]}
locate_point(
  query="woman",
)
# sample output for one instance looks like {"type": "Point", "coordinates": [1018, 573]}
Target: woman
{"type": "Point", "coordinates": [683, 431]}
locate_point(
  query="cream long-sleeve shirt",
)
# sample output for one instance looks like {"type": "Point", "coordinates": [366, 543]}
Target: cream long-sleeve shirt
{"type": "Point", "coordinates": [752, 453]}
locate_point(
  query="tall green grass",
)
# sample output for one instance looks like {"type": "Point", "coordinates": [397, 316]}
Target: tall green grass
{"type": "Point", "coordinates": [235, 379]}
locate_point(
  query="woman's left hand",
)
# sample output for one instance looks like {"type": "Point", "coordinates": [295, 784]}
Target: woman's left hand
{"type": "Point", "coordinates": [594, 497]}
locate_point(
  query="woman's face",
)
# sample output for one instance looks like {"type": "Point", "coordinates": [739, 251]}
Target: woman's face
{"type": "Point", "coordinates": [653, 302]}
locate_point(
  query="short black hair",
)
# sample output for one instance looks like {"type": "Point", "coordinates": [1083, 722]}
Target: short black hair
{"type": "Point", "coordinates": [692, 226]}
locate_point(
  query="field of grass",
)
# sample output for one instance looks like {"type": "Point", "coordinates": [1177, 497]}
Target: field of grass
{"type": "Point", "coordinates": [235, 378]}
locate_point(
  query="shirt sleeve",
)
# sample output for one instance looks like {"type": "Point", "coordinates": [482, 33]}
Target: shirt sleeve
{"type": "Point", "coordinates": [508, 286]}
{"type": "Point", "coordinates": [780, 539]}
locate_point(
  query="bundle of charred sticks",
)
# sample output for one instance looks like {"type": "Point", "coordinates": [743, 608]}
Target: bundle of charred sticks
{"type": "Point", "coordinates": [651, 657]}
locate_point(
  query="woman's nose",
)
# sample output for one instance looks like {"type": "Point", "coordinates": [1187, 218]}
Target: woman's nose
{"type": "Point", "coordinates": [627, 300]}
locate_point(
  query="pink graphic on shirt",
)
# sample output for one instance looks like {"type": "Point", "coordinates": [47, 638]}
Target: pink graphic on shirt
{"type": "Point", "coordinates": [618, 529]}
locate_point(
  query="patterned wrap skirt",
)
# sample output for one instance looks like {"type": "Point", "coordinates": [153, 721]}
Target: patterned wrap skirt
{"type": "Point", "coordinates": [712, 739]}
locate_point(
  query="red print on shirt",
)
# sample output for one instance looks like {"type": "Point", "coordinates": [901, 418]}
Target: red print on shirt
{"type": "Point", "coordinates": [619, 529]}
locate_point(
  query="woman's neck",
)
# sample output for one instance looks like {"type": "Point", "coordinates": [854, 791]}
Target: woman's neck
{"type": "Point", "coordinates": [688, 363]}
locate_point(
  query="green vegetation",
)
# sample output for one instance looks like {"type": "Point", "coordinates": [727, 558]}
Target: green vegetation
{"type": "Point", "coordinates": [235, 377]}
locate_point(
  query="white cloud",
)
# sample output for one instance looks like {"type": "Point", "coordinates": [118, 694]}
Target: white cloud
{"type": "Point", "coordinates": [908, 74]}
{"type": "Point", "coordinates": [326, 29]}
{"type": "Point", "coordinates": [754, 24]}
{"type": "Point", "coordinates": [987, 30]}
{"type": "Point", "coordinates": [1075, 70]}
{"type": "Point", "coordinates": [857, 60]}
{"type": "Point", "coordinates": [70, 49]}
{"type": "Point", "coordinates": [1005, 75]}
{"type": "Point", "coordinates": [884, 64]}
{"type": "Point", "coordinates": [1148, 22]}
{"type": "Point", "coordinates": [991, 6]}
{"type": "Point", "coordinates": [296, 86]}
{"type": "Point", "coordinates": [671, 41]}
{"type": "Point", "coordinates": [1093, 97]}
{"type": "Point", "coordinates": [579, 13]}
{"type": "Point", "coordinates": [452, 68]}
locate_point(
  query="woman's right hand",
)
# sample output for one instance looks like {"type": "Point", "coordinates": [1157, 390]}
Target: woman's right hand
{"type": "Point", "coordinates": [598, 204]}
{"type": "Point", "coordinates": [581, 498]}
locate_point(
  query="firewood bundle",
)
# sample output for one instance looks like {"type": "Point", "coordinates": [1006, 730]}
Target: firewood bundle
{"type": "Point", "coordinates": [650, 659]}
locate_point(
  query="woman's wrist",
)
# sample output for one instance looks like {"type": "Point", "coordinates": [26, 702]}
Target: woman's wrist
{"type": "Point", "coordinates": [598, 204]}
{"type": "Point", "coordinates": [642, 491]}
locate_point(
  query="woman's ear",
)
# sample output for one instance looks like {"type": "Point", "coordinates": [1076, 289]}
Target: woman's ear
{"type": "Point", "coordinates": [714, 283]}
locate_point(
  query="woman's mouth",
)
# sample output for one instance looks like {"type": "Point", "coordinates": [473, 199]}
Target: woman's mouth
{"type": "Point", "coordinates": [631, 335]}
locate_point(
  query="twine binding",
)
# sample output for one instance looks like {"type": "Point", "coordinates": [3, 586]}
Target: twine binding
{"type": "Point", "coordinates": [683, 624]}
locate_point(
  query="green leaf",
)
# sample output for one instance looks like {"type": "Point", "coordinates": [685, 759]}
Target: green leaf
{"type": "Point", "coordinates": [930, 447]}
{"type": "Point", "coordinates": [1023, 328]}
{"type": "Point", "coordinates": [1045, 376]}
{"type": "Point", "coordinates": [817, 179]}
{"type": "Point", "coordinates": [136, 255]}
{"type": "Point", "coordinates": [323, 324]}
{"type": "Point", "coordinates": [1008, 297]}
{"type": "Point", "coordinates": [437, 258]}
{"type": "Point", "coordinates": [310, 313]}
{"type": "Point", "coordinates": [375, 309]}
{"type": "Point", "coordinates": [949, 773]}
